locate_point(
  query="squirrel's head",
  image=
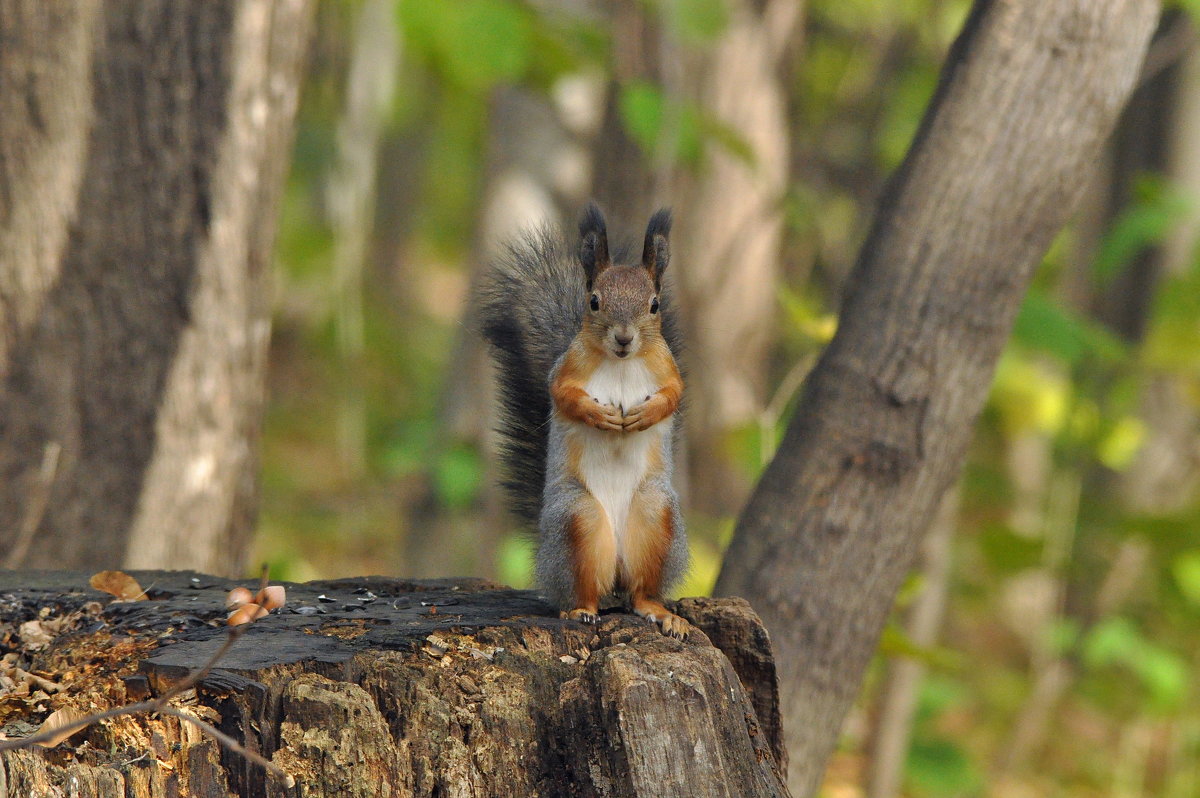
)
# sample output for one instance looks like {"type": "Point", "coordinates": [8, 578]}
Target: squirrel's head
{"type": "Point", "coordinates": [623, 300]}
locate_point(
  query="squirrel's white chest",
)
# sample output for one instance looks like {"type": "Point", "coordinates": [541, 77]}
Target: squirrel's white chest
{"type": "Point", "coordinates": [622, 383]}
{"type": "Point", "coordinates": [613, 464]}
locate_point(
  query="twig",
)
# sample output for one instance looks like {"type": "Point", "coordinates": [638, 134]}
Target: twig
{"type": "Point", "coordinates": [148, 706]}
{"type": "Point", "coordinates": [233, 745]}
{"type": "Point", "coordinates": [74, 726]}
{"type": "Point", "coordinates": [189, 681]}
{"type": "Point", "coordinates": [770, 414]}
{"type": "Point", "coordinates": [160, 706]}
{"type": "Point", "coordinates": [235, 633]}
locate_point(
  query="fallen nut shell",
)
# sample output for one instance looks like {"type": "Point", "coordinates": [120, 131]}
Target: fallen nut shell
{"type": "Point", "coordinates": [271, 597]}
{"type": "Point", "coordinates": [237, 597]}
{"type": "Point", "coordinates": [245, 614]}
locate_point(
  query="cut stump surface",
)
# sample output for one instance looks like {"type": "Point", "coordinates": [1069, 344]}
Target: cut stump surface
{"type": "Point", "coordinates": [385, 687]}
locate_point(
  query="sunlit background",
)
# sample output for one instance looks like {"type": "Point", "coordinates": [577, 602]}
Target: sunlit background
{"type": "Point", "coordinates": [1051, 634]}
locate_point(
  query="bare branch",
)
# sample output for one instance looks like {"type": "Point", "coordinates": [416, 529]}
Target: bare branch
{"type": "Point", "coordinates": [235, 633]}
{"type": "Point", "coordinates": [233, 745]}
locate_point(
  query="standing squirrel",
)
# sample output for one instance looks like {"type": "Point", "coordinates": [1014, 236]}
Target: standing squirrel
{"type": "Point", "coordinates": [589, 387]}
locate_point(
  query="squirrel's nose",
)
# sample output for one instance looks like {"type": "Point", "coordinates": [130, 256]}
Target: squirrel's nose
{"type": "Point", "coordinates": [624, 340]}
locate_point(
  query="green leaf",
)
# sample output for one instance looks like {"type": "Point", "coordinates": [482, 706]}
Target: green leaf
{"type": "Point", "coordinates": [514, 561]}
{"type": "Point", "coordinates": [663, 127]}
{"type": "Point", "coordinates": [1046, 326]}
{"type": "Point", "coordinates": [457, 477]}
{"type": "Point", "coordinates": [407, 448]}
{"type": "Point", "coordinates": [939, 767]}
{"type": "Point", "coordinates": [1152, 213]}
{"type": "Point", "coordinates": [1008, 552]}
{"type": "Point", "coordinates": [698, 21]}
{"type": "Point", "coordinates": [642, 110]}
{"type": "Point", "coordinates": [1165, 676]}
{"type": "Point", "coordinates": [1118, 642]}
{"type": "Point", "coordinates": [1112, 641]}
{"type": "Point", "coordinates": [1031, 395]}
{"type": "Point", "coordinates": [729, 138]}
{"type": "Point", "coordinates": [895, 642]}
{"type": "Point", "coordinates": [1062, 635]}
{"type": "Point", "coordinates": [1121, 442]}
{"type": "Point", "coordinates": [478, 43]}
{"type": "Point", "coordinates": [1186, 570]}
{"type": "Point", "coordinates": [1173, 340]}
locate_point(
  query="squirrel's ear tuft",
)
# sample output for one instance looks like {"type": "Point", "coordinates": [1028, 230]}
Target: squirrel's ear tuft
{"type": "Point", "coordinates": [593, 243]}
{"type": "Point", "coordinates": [657, 254]}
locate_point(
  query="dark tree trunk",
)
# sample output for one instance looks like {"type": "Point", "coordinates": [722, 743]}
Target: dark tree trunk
{"type": "Point", "coordinates": [625, 180]}
{"type": "Point", "coordinates": [1141, 145]}
{"type": "Point", "coordinates": [1028, 95]}
{"type": "Point", "coordinates": [143, 148]}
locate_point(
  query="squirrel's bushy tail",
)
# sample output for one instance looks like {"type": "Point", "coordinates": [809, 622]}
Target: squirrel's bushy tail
{"type": "Point", "coordinates": [531, 307]}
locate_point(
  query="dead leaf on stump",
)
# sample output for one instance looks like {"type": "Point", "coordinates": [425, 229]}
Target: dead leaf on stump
{"type": "Point", "coordinates": [119, 584]}
{"type": "Point", "coordinates": [34, 636]}
{"type": "Point", "coordinates": [61, 719]}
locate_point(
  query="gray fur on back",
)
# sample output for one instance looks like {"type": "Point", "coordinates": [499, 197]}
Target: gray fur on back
{"type": "Point", "coordinates": [532, 306]}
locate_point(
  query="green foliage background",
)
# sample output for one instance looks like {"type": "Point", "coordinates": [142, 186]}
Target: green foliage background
{"type": "Point", "coordinates": [1070, 387]}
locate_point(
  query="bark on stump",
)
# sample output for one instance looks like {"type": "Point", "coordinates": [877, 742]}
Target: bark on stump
{"type": "Point", "coordinates": [379, 687]}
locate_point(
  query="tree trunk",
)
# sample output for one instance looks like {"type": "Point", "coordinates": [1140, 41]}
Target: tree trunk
{"type": "Point", "coordinates": [892, 734]}
{"type": "Point", "coordinates": [1165, 473]}
{"type": "Point", "coordinates": [382, 687]}
{"type": "Point", "coordinates": [350, 197]}
{"type": "Point", "coordinates": [730, 227]}
{"type": "Point", "coordinates": [626, 182]}
{"type": "Point", "coordinates": [143, 150]}
{"type": "Point", "coordinates": [1029, 93]}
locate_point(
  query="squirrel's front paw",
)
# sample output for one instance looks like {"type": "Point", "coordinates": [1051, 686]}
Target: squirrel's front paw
{"type": "Point", "coordinates": [605, 417]}
{"type": "Point", "coordinates": [644, 416]}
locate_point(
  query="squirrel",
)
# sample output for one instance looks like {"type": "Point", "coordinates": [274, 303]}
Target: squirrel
{"type": "Point", "coordinates": [589, 388]}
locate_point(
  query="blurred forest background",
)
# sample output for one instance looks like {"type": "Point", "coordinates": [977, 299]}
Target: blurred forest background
{"type": "Point", "coordinates": [1048, 644]}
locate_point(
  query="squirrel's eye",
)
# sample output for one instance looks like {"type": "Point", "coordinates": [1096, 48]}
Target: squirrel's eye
{"type": "Point", "coordinates": [654, 305]}
{"type": "Point", "coordinates": [595, 302]}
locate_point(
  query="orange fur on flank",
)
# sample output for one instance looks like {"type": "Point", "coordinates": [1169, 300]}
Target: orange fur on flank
{"type": "Point", "coordinates": [570, 398]}
{"type": "Point", "coordinates": [595, 556]}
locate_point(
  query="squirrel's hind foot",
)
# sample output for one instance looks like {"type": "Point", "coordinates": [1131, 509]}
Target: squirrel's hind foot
{"type": "Point", "coordinates": [670, 623]}
{"type": "Point", "coordinates": [583, 615]}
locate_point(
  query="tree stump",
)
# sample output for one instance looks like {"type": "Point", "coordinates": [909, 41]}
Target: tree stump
{"type": "Point", "coordinates": [384, 687]}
